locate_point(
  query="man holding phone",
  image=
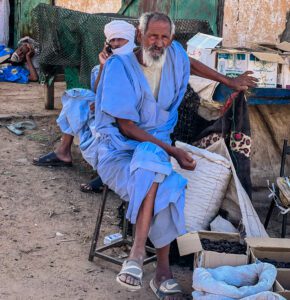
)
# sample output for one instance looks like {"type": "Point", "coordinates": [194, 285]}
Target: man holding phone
{"type": "Point", "coordinates": [120, 37]}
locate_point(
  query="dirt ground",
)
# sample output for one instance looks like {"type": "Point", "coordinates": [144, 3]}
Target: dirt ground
{"type": "Point", "coordinates": [46, 223]}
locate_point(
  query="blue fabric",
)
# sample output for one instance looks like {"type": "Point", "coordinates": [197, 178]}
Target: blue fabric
{"type": "Point", "coordinates": [94, 75]}
{"type": "Point", "coordinates": [129, 167]}
{"type": "Point", "coordinates": [14, 74]}
{"type": "Point", "coordinates": [5, 50]}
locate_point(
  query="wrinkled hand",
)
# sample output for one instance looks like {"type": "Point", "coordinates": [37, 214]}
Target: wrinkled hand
{"type": "Point", "coordinates": [184, 159]}
{"type": "Point", "coordinates": [104, 55]}
{"type": "Point", "coordinates": [30, 52]}
{"type": "Point", "coordinates": [242, 82]}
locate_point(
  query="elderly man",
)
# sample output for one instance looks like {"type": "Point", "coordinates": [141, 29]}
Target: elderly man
{"type": "Point", "coordinates": [134, 147]}
{"type": "Point", "coordinates": [75, 117]}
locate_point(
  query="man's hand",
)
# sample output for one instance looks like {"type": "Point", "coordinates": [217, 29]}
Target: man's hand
{"type": "Point", "coordinates": [184, 159]}
{"type": "Point", "coordinates": [242, 82]}
{"type": "Point", "coordinates": [92, 106]}
{"type": "Point", "coordinates": [30, 52]}
{"type": "Point", "coordinates": [104, 55]}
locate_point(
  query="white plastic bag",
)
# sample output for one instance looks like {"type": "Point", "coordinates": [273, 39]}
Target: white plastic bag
{"type": "Point", "coordinates": [220, 224]}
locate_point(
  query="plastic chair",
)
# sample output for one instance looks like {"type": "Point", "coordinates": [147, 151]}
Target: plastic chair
{"type": "Point", "coordinates": [275, 200]}
{"type": "Point", "coordinates": [99, 251]}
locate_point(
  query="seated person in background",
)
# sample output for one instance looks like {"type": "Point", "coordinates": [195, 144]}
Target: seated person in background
{"type": "Point", "coordinates": [23, 64]}
{"type": "Point", "coordinates": [120, 37]}
{"type": "Point", "coordinates": [134, 146]}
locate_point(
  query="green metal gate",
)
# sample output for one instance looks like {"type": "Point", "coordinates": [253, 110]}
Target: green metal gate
{"type": "Point", "coordinates": [22, 17]}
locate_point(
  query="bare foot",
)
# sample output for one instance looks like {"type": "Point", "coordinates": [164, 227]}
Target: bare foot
{"type": "Point", "coordinates": [64, 156]}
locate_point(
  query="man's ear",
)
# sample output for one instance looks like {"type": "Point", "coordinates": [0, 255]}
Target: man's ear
{"type": "Point", "coordinates": [138, 36]}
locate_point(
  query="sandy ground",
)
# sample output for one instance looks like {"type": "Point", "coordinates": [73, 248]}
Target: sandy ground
{"type": "Point", "coordinates": [46, 223]}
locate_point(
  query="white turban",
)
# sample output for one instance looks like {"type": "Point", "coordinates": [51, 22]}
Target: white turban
{"type": "Point", "coordinates": [119, 29]}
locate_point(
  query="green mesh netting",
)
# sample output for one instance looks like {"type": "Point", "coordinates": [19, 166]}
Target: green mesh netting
{"type": "Point", "coordinates": [73, 39]}
{"type": "Point", "coordinates": [71, 75]}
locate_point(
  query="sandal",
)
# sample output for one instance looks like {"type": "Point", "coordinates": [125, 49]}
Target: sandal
{"type": "Point", "coordinates": [51, 160]}
{"type": "Point", "coordinates": [17, 128]}
{"type": "Point", "coordinates": [94, 186]}
{"type": "Point", "coordinates": [134, 270]}
{"type": "Point", "coordinates": [168, 287]}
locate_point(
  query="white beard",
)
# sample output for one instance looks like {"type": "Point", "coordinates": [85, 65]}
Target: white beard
{"type": "Point", "coordinates": [149, 61]}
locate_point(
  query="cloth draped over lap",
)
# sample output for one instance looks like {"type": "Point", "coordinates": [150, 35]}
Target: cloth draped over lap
{"type": "Point", "coordinates": [130, 167]}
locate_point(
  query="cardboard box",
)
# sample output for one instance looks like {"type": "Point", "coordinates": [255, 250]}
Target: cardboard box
{"type": "Point", "coordinates": [265, 68]}
{"type": "Point", "coordinates": [264, 65]}
{"type": "Point", "coordinates": [285, 73]}
{"type": "Point", "coordinates": [200, 48]}
{"type": "Point", "coordinates": [271, 248]}
{"type": "Point", "coordinates": [232, 62]}
{"type": "Point", "coordinates": [277, 249]}
{"type": "Point", "coordinates": [282, 284]}
{"type": "Point", "coordinates": [191, 243]}
{"type": "Point", "coordinates": [284, 46]}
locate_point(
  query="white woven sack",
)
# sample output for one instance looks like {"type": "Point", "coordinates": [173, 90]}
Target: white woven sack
{"type": "Point", "coordinates": [206, 186]}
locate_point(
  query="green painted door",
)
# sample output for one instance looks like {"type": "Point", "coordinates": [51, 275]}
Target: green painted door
{"type": "Point", "coordinates": [208, 10]}
{"type": "Point", "coordinates": [22, 17]}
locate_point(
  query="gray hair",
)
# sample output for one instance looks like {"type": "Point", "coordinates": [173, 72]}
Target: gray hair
{"type": "Point", "coordinates": [155, 16]}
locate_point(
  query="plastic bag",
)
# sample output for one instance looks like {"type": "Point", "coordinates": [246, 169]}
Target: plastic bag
{"type": "Point", "coordinates": [220, 224]}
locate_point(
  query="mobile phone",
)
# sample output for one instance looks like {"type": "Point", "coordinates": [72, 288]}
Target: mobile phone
{"type": "Point", "coordinates": [109, 48]}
